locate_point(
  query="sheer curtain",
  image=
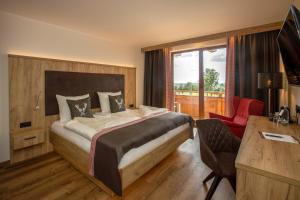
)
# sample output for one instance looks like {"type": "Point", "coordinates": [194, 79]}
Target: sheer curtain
{"type": "Point", "coordinates": [169, 97]}
{"type": "Point", "coordinates": [230, 76]}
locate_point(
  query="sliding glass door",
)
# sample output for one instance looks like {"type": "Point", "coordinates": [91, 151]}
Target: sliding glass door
{"type": "Point", "coordinates": [199, 81]}
{"type": "Point", "coordinates": [186, 82]}
{"type": "Point", "coordinates": [214, 70]}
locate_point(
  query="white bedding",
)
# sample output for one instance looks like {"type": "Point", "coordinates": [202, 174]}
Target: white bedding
{"type": "Point", "coordinates": [88, 127]}
{"type": "Point", "coordinates": [131, 156]}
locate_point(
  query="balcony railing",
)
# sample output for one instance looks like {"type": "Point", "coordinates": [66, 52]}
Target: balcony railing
{"type": "Point", "coordinates": [187, 101]}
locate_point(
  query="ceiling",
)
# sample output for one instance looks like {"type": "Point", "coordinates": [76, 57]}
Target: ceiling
{"type": "Point", "coordinates": [149, 22]}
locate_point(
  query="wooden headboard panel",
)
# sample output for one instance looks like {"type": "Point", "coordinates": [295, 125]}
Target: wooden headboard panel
{"type": "Point", "coordinates": [27, 81]}
{"type": "Point", "coordinates": [76, 83]}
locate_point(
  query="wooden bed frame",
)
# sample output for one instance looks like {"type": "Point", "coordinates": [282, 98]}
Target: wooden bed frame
{"type": "Point", "coordinates": [80, 159]}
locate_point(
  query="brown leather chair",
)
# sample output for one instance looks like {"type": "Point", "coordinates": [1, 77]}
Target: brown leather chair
{"type": "Point", "coordinates": [218, 149]}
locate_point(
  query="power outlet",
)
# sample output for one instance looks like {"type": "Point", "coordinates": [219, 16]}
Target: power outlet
{"type": "Point", "coordinates": [25, 124]}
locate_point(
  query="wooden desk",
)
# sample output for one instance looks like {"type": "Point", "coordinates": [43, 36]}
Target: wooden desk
{"type": "Point", "coordinates": [268, 169]}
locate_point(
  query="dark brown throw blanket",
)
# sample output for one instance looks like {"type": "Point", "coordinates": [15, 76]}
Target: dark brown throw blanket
{"type": "Point", "coordinates": [111, 147]}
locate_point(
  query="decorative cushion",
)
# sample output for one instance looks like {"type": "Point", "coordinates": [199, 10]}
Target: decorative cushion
{"type": "Point", "coordinates": [116, 103]}
{"type": "Point", "coordinates": [80, 108]}
{"type": "Point", "coordinates": [64, 111]}
{"type": "Point", "coordinates": [104, 100]}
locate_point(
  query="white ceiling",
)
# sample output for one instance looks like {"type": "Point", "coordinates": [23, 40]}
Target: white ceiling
{"type": "Point", "coordinates": [149, 22]}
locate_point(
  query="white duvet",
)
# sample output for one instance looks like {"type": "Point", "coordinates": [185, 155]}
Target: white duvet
{"type": "Point", "coordinates": [88, 127]}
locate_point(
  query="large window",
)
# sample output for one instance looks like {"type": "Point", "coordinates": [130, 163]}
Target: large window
{"type": "Point", "coordinates": [199, 81]}
{"type": "Point", "coordinates": [214, 71]}
{"type": "Point", "coordinates": [186, 82]}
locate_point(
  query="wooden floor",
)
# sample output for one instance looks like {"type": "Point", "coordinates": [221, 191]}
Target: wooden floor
{"type": "Point", "coordinates": [51, 177]}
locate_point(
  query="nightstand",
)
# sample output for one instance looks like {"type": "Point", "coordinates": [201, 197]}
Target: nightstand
{"type": "Point", "coordinates": [26, 144]}
{"type": "Point", "coordinates": [28, 138]}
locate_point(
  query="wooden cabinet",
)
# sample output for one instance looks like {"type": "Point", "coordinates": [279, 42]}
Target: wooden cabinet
{"type": "Point", "coordinates": [28, 139]}
{"type": "Point", "coordinates": [27, 144]}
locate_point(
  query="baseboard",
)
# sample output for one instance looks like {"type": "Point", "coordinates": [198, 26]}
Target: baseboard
{"type": "Point", "coordinates": [5, 164]}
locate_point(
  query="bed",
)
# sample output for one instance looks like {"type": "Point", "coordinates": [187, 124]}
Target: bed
{"type": "Point", "coordinates": [133, 155]}
{"type": "Point", "coordinates": [77, 149]}
{"type": "Point", "coordinates": [133, 165]}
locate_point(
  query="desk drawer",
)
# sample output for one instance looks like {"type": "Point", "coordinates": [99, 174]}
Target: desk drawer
{"type": "Point", "coordinates": [28, 138]}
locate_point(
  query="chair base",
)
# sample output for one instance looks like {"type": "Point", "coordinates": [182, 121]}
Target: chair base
{"type": "Point", "coordinates": [232, 182]}
{"type": "Point", "coordinates": [215, 183]}
{"type": "Point", "coordinates": [210, 176]}
{"type": "Point", "coordinates": [213, 187]}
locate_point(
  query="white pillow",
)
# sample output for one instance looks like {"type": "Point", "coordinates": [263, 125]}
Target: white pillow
{"type": "Point", "coordinates": [104, 100]}
{"type": "Point", "coordinates": [64, 110]}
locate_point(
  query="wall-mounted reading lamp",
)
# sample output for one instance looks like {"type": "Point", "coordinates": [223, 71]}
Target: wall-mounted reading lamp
{"type": "Point", "coordinates": [37, 103]}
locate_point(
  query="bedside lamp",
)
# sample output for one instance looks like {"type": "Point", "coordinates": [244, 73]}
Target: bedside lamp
{"type": "Point", "coordinates": [270, 81]}
{"type": "Point", "coordinates": [37, 103]}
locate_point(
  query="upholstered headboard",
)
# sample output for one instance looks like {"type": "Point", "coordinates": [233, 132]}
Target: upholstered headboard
{"type": "Point", "coordinates": [77, 83]}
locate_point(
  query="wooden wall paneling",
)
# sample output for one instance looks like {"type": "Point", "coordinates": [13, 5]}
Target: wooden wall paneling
{"type": "Point", "coordinates": [25, 87]}
{"type": "Point", "coordinates": [27, 82]}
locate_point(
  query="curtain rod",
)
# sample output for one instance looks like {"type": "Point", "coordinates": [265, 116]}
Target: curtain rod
{"type": "Point", "coordinates": [244, 31]}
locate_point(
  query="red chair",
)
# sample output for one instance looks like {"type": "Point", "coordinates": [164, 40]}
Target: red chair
{"type": "Point", "coordinates": [235, 103]}
{"type": "Point", "coordinates": [246, 107]}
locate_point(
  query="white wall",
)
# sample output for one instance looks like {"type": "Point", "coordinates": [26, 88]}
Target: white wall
{"type": "Point", "coordinates": [24, 36]}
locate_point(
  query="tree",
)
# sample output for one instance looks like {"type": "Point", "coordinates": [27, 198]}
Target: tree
{"type": "Point", "coordinates": [211, 80]}
{"type": "Point", "coordinates": [221, 87]}
{"type": "Point", "coordinates": [188, 86]}
{"type": "Point", "coordinates": [195, 87]}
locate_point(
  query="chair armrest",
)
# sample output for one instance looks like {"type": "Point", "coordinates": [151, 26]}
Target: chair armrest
{"type": "Point", "coordinates": [221, 117]}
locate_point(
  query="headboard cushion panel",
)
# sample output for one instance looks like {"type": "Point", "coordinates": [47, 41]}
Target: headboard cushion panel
{"type": "Point", "coordinates": [76, 84]}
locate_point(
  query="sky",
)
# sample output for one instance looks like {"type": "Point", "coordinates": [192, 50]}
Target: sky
{"type": "Point", "coordinates": [186, 65]}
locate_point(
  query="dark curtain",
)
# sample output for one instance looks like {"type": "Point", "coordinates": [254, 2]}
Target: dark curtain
{"type": "Point", "coordinates": [256, 53]}
{"type": "Point", "coordinates": [154, 78]}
